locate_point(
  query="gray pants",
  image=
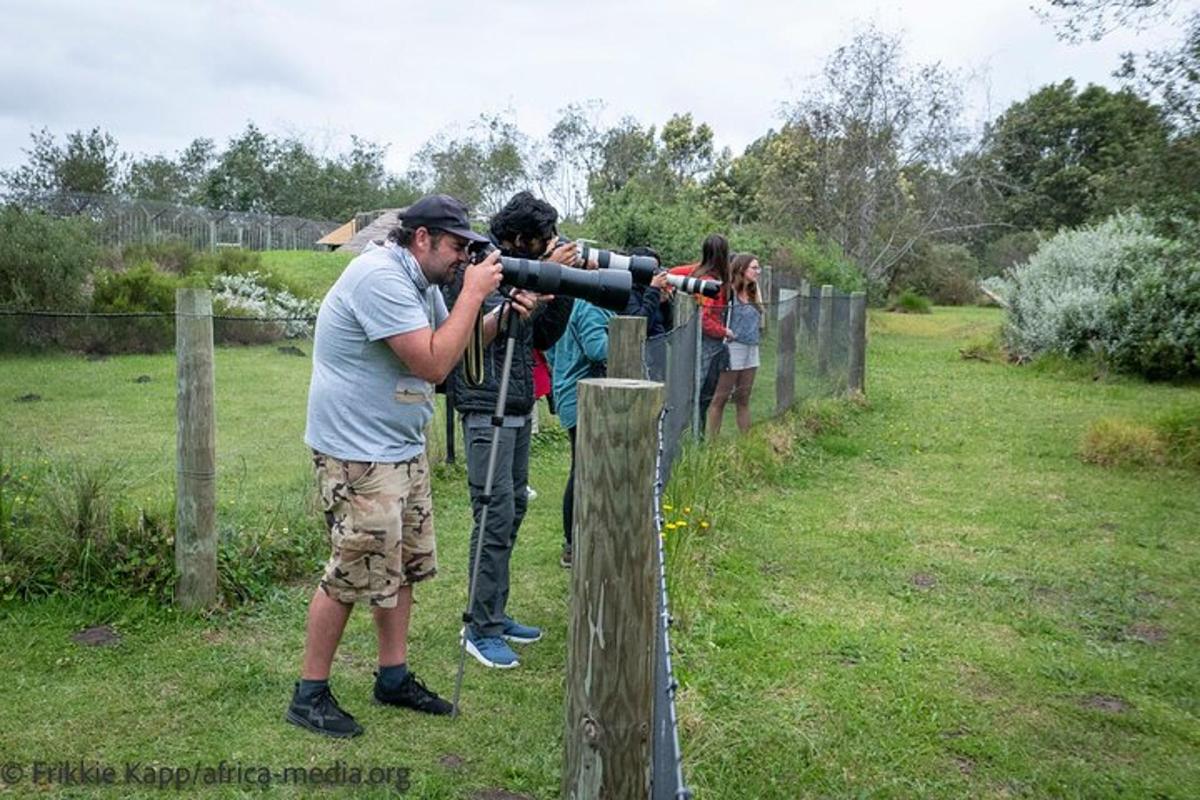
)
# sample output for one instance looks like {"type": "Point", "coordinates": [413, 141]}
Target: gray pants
{"type": "Point", "coordinates": [505, 513]}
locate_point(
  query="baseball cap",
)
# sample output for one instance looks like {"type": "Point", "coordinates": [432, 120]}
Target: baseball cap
{"type": "Point", "coordinates": [440, 211]}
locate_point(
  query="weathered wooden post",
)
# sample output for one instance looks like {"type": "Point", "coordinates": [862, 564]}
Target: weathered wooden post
{"type": "Point", "coordinates": [196, 451]}
{"type": "Point", "coordinates": [610, 639]}
{"type": "Point", "coordinates": [802, 321]}
{"type": "Point", "coordinates": [825, 330]}
{"type": "Point", "coordinates": [785, 362]}
{"type": "Point", "coordinates": [685, 310]}
{"type": "Point", "coordinates": [626, 337]}
{"type": "Point", "coordinates": [856, 382]}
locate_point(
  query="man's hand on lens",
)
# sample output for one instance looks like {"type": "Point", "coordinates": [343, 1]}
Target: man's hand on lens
{"type": "Point", "coordinates": [483, 278]}
{"type": "Point", "coordinates": [525, 303]}
{"type": "Point", "coordinates": [565, 252]}
{"type": "Point", "coordinates": [659, 281]}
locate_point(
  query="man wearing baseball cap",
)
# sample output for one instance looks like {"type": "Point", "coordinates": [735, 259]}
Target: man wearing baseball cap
{"type": "Point", "coordinates": [383, 339]}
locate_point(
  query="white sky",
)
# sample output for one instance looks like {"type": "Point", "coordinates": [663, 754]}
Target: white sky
{"type": "Point", "coordinates": [158, 74]}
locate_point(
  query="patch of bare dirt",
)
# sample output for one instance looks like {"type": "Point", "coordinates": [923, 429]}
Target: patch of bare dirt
{"type": "Point", "coordinates": [1106, 702]}
{"type": "Point", "coordinates": [1146, 633]}
{"type": "Point", "coordinates": [97, 636]}
{"type": "Point", "coordinates": [923, 580]}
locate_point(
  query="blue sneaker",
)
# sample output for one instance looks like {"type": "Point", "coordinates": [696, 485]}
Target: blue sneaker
{"type": "Point", "coordinates": [491, 651]}
{"type": "Point", "coordinates": [521, 634]}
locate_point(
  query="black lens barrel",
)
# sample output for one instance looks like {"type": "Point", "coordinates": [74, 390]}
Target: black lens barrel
{"type": "Point", "coordinates": [604, 288]}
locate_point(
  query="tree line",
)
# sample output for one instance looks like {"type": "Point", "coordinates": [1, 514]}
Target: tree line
{"type": "Point", "coordinates": [873, 165]}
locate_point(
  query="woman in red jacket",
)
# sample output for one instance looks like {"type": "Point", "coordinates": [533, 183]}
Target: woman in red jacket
{"type": "Point", "coordinates": [714, 354]}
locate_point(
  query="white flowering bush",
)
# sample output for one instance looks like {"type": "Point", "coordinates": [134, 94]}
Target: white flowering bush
{"type": "Point", "coordinates": [1116, 288]}
{"type": "Point", "coordinates": [246, 296]}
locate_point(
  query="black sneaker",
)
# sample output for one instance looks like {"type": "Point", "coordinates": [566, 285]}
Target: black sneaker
{"type": "Point", "coordinates": [411, 693]}
{"type": "Point", "coordinates": [322, 714]}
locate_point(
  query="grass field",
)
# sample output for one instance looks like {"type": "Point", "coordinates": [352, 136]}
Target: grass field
{"type": "Point", "coordinates": [936, 598]}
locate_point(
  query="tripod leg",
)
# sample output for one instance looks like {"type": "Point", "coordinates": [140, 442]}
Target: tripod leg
{"type": "Point", "coordinates": [497, 421]}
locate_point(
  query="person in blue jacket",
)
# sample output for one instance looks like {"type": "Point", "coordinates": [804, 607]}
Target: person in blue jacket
{"type": "Point", "coordinates": [581, 352]}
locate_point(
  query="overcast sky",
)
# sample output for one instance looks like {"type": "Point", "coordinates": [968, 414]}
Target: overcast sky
{"type": "Point", "coordinates": [158, 74]}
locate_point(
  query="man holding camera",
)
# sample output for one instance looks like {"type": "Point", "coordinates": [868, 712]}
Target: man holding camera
{"type": "Point", "coordinates": [524, 228]}
{"type": "Point", "coordinates": [383, 338]}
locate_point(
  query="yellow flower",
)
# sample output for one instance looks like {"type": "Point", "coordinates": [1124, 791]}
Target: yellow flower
{"type": "Point", "coordinates": [679, 523]}
{"type": "Point", "coordinates": [703, 524]}
{"type": "Point", "coordinates": [667, 507]}
{"type": "Point", "coordinates": [687, 509]}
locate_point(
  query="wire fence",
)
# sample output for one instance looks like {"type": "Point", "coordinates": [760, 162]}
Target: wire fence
{"type": "Point", "coordinates": [120, 221]}
{"type": "Point", "coordinates": [809, 340]}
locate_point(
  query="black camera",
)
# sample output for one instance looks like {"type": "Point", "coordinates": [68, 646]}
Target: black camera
{"type": "Point", "coordinates": [604, 288]}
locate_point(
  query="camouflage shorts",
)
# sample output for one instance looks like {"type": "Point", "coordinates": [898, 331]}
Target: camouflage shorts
{"type": "Point", "coordinates": [380, 518]}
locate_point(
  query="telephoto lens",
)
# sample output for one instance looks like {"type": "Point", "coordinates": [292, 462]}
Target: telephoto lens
{"type": "Point", "coordinates": [605, 288]}
{"type": "Point", "coordinates": [642, 268]}
{"type": "Point", "coordinates": [690, 285]}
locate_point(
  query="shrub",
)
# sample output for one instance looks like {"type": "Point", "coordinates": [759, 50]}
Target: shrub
{"type": "Point", "coordinates": [909, 302]}
{"type": "Point", "coordinates": [1116, 289]}
{"type": "Point", "coordinates": [945, 273]}
{"type": "Point", "coordinates": [1155, 323]}
{"type": "Point", "coordinates": [142, 288]}
{"type": "Point", "coordinates": [44, 261]}
{"type": "Point", "coordinates": [246, 296]}
{"type": "Point", "coordinates": [171, 254]}
{"type": "Point", "coordinates": [820, 262]}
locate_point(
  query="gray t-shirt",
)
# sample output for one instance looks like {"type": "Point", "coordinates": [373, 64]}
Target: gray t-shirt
{"type": "Point", "coordinates": [364, 403]}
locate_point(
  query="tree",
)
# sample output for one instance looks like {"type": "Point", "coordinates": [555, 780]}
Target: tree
{"type": "Point", "coordinates": [573, 153]}
{"type": "Point", "coordinates": [88, 162]}
{"type": "Point", "coordinates": [179, 180]}
{"type": "Point", "coordinates": [1068, 157]}
{"type": "Point", "coordinates": [1172, 77]}
{"type": "Point", "coordinates": [482, 169]}
{"type": "Point", "coordinates": [626, 151]}
{"type": "Point", "coordinates": [687, 148]}
{"type": "Point", "coordinates": [242, 178]}
{"type": "Point", "coordinates": [1076, 20]}
{"type": "Point", "coordinates": [869, 158]}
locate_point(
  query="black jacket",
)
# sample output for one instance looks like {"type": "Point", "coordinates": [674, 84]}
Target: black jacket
{"type": "Point", "coordinates": [541, 331]}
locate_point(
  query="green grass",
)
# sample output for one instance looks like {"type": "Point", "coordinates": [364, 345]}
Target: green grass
{"type": "Point", "coordinates": [930, 597]}
{"type": "Point", "coordinates": [306, 272]}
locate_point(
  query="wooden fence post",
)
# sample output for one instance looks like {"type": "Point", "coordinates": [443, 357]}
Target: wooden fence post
{"type": "Point", "coordinates": [611, 630]}
{"type": "Point", "coordinates": [196, 451]}
{"type": "Point", "coordinates": [856, 382]}
{"type": "Point", "coordinates": [626, 336]}
{"type": "Point", "coordinates": [785, 362]}
{"type": "Point", "coordinates": [825, 330]}
{"type": "Point", "coordinates": [802, 323]}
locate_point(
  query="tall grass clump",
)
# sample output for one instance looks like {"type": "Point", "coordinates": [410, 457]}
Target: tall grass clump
{"type": "Point", "coordinates": [69, 528]}
{"type": "Point", "coordinates": [909, 302]}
